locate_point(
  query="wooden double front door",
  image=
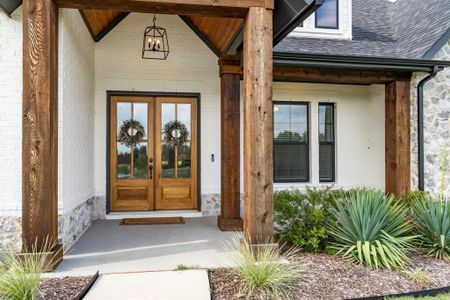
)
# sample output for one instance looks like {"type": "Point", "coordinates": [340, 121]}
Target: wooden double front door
{"type": "Point", "coordinates": [153, 162]}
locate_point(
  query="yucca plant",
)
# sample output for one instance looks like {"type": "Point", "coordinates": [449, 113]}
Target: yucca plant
{"type": "Point", "coordinates": [20, 275]}
{"type": "Point", "coordinates": [265, 271]}
{"type": "Point", "coordinates": [370, 228]}
{"type": "Point", "coordinates": [433, 224]}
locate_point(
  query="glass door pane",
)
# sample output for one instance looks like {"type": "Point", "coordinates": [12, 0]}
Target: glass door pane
{"type": "Point", "coordinates": [132, 151]}
{"type": "Point", "coordinates": [176, 140]}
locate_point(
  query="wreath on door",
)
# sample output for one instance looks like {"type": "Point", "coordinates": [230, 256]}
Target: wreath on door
{"type": "Point", "coordinates": [131, 133]}
{"type": "Point", "coordinates": [170, 132]}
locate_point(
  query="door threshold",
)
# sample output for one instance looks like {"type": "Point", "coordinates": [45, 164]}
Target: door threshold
{"type": "Point", "coordinates": [154, 214]}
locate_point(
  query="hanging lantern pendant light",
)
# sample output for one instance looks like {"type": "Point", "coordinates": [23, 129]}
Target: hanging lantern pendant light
{"type": "Point", "coordinates": [156, 44]}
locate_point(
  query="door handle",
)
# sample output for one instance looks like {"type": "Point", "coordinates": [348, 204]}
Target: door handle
{"type": "Point", "coordinates": [150, 167]}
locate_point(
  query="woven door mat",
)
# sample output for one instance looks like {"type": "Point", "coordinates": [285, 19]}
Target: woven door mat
{"type": "Point", "coordinates": [152, 221]}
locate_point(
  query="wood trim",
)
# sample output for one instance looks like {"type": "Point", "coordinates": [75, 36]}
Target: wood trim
{"type": "Point", "coordinates": [40, 124]}
{"type": "Point", "coordinates": [217, 8]}
{"type": "Point", "coordinates": [111, 26]}
{"type": "Point", "coordinates": [258, 127]}
{"type": "Point", "coordinates": [332, 76]}
{"type": "Point", "coordinates": [86, 22]}
{"type": "Point", "coordinates": [397, 137]}
{"type": "Point", "coordinates": [230, 196]}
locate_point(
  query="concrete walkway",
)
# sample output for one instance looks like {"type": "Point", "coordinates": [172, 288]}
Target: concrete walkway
{"type": "Point", "coordinates": [110, 248]}
{"type": "Point", "coordinates": [171, 285]}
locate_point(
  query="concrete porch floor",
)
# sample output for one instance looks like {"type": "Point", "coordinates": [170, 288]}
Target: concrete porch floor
{"type": "Point", "coordinates": [110, 248]}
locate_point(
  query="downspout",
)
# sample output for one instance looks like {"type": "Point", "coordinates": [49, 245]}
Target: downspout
{"type": "Point", "coordinates": [420, 131]}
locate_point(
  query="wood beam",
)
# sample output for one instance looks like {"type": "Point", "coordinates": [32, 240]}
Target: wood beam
{"type": "Point", "coordinates": [397, 137]}
{"type": "Point", "coordinates": [40, 125]}
{"type": "Point", "coordinates": [218, 8]}
{"type": "Point", "coordinates": [332, 76]}
{"type": "Point", "coordinates": [230, 195]}
{"type": "Point", "coordinates": [258, 128]}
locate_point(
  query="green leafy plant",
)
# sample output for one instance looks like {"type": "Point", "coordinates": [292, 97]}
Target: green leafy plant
{"type": "Point", "coordinates": [20, 275]}
{"type": "Point", "coordinates": [266, 272]}
{"type": "Point", "coordinates": [433, 224]}
{"type": "Point", "coordinates": [300, 217]}
{"type": "Point", "coordinates": [369, 228]}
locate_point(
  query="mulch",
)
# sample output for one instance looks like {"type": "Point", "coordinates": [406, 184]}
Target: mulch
{"type": "Point", "coordinates": [330, 277]}
{"type": "Point", "coordinates": [67, 288]}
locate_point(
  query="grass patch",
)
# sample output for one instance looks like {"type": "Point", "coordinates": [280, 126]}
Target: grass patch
{"type": "Point", "coordinates": [418, 276]}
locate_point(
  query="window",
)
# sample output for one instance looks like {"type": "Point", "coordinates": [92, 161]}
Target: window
{"type": "Point", "coordinates": [326, 142]}
{"type": "Point", "coordinates": [291, 142]}
{"type": "Point", "coordinates": [327, 15]}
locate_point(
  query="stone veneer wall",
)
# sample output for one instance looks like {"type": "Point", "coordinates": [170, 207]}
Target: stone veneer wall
{"type": "Point", "coordinates": [71, 225]}
{"type": "Point", "coordinates": [436, 125]}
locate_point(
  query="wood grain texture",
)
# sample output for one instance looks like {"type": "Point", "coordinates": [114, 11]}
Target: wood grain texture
{"type": "Point", "coordinates": [216, 8]}
{"type": "Point", "coordinates": [100, 21]}
{"type": "Point", "coordinates": [175, 193]}
{"type": "Point", "coordinates": [40, 123]}
{"type": "Point", "coordinates": [334, 76]}
{"type": "Point", "coordinates": [397, 137]}
{"type": "Point", "coordinates": [219, 31]}
{"type": "Point", "coordinates": [131, 194]}
{"type": "Point", "coordinates": [230, 217]}
{"type": "Point", "coordinates": [258, 128]}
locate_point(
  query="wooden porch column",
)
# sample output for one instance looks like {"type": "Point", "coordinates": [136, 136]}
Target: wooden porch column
{"type": "Point", "coordinates": [258, 127]}
{"type": "Point", "coordinates": [40, 125]}
{"type": "Point", "coordinates": [397, 137]}
{"type": "Point", "coordinates": [230, 204]}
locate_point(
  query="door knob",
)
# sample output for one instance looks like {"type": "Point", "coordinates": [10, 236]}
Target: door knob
{"type": "Point", "coordinates": [150, 167]}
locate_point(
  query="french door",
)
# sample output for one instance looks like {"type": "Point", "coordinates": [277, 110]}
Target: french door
{"type": "Point", "coordinates": [153, 162]}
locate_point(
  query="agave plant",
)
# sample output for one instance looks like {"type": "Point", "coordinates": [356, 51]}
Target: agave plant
{"type": "Point", "coordinates": [20, 275]}
{"type": "Point", "coordinates": [433, 222]}
{"type": "Point", "coordinates": [370, 228]}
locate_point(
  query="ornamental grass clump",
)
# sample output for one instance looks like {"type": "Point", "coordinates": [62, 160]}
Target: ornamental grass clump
{"type": "Point", "coordinates": [371, 229]}
{"type": "Point", "coordinates": [20, 275]}
{"type": "Point", "coordinates": [433, 225]}
{"type": "Point", "coordinates": [265, 271]}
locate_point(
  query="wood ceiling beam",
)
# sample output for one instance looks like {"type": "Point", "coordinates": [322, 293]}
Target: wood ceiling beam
{"type": "Point", "coordinates": [332, 76]}
{"type": "Point", "coordinates": [218, 8]}
{"type": "Point", "coordinates": [201, 35]}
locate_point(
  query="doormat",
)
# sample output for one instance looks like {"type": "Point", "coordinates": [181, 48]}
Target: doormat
{"type": "Point", "coordinates": [152, 221]}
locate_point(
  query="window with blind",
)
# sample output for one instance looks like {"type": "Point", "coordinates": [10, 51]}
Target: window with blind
{"type": "Point", "coordinates": [327, 15]}
{"type": "Point", "coordinates": [291, 142]}
{"type": "Point", "coordinates": [326, 142]}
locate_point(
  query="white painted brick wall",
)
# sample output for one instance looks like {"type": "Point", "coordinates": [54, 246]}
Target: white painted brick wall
{"type": "Point", "coordinates": [190, 67]}
{"type": "Point", "coordinates": [76, 112]}
{"type": "Point", "coordinates": [10, 113]}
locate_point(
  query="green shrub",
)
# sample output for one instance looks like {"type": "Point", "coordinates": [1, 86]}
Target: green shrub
{"type": "Point", "coordinates": [300, 217]}
{"type": "Point", "coordinates": [410, 198]}
{"type": "Point", "coordinates": [370, 228]}
{"type": "Point", "coordinates": [433, 224]}
{"type": "Point", "coordinates": [264, 271]}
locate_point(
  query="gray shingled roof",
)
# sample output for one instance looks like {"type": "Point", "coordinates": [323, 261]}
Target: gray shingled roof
{"type": "Point", "coordinates": [403, 29]}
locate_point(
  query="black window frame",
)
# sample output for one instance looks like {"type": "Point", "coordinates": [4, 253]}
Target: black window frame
{"type": "Point", "coordinates": [308, 143]}
{"type": "Point", "coordinates": [333, 143]}
{"type": "Point", "coordinates": [328, 27]}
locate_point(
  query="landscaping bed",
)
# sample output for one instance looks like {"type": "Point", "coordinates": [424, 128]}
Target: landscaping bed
{"type": "Point", "coordinates": [67, 288]}
{"type": "Point", "coordinates": [330, 277]}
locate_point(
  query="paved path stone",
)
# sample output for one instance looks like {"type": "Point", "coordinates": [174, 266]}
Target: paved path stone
{"type": "Point", "coordinates": [167, 285]}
